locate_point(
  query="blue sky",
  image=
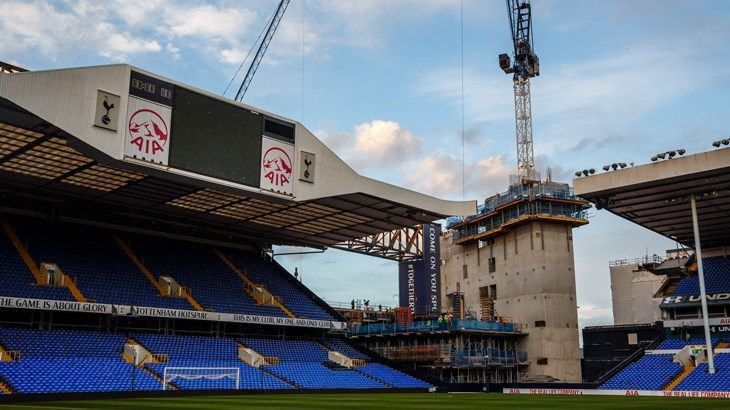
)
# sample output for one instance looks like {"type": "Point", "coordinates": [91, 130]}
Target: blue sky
{"type": "Point", "coordinates": [380, 82]}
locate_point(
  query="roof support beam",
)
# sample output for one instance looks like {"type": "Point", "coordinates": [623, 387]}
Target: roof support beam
{"type": "Point", "coordinates": [399, 245]}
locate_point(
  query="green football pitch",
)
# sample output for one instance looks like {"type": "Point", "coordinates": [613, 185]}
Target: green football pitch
{"type": "Point", "coordinates": [387, 401]}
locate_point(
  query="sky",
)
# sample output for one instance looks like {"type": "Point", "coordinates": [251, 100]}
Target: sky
{"type": "Point", "coordinates": [380, 82]}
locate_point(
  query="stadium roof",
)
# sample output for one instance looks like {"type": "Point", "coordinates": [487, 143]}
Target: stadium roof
{"type": "Point", "coordinates": [52, 152]}
{"type": "Point", "coordinates": [656, 196]}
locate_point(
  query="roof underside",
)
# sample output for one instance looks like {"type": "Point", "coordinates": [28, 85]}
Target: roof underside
{"type": "Point", "coordinates": [44, 169]}
{"type": "Point", "coordinates": [656, 196]}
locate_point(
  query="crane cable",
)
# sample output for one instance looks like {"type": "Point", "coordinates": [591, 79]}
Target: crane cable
{"type": "Point", "coordinates": [304, 24]}
{"type": "Point", "coordinates": [463, 134]}
{"type": "Point", "coordinates": [250, 50]}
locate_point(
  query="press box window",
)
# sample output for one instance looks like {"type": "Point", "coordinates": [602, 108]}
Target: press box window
{"type": "Point", "coordinates": [279, 129]}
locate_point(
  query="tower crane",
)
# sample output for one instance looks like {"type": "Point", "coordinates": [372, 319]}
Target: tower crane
{"type": "Point", "coordinates": [525, 66]}
{"type": "Point", "coordinates": [270, 30]}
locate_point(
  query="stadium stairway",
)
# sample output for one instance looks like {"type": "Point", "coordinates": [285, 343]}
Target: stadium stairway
{"type": "Point", "coordinates": [373, 378]}
{"type": "Point", "coordinates": [259, 293]}
{"type": "Point", "coordinates": [185, 294]}
{"type": "Point", "coordinates": [40, 278]}
{"type": "Point", "coordinates": [153, 358]}
{"type": "Point", "coordinates": [5, 387]}
{"type": "Point", "coordinates": [280, 377]}
{"type": "Point", "coordinates": [679, 378]}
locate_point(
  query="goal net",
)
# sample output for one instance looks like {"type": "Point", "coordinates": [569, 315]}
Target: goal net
{"type": "Point", "coordinates": [197, 373]}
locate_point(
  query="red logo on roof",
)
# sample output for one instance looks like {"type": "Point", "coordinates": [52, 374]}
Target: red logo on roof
{"type": "Point", "coordinates": [277, 167]}
{"type": "Point", "coordinates": [149, 131]}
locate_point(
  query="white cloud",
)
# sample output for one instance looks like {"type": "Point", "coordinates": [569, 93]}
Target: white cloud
{"type": "Point", "coordinates": [384, 142]}
{"type": "Point", "coordinates": [395, 155]}
{"type": "Point", "coordinates": [441, 175]}
{"type": "Point", "coordinates": [209, 21]}
{"type": "Point", "coordinates": [374, 146]}
{"type": "Point", "coordinates": [52, 31]}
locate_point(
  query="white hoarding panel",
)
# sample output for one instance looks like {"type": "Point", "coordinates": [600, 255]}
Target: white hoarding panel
{"type": "Point", "coordinates": [147, 131]}
{"type": "Point", "coordinates": [277, 166]}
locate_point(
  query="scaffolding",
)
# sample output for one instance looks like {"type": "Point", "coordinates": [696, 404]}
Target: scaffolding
{"type": "Point", "coordinates": [456, 356]}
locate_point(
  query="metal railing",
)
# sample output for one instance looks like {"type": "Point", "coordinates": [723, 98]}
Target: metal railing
{"type": "Point", "coordinates": [636, 261]}
{"type": "Point", "coordinates": [432, 326]}
{"type": "Point", "coordinates": [517, 193]}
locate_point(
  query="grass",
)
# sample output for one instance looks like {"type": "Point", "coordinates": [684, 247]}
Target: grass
{"type": "Point", "coordinates": [386, 401]}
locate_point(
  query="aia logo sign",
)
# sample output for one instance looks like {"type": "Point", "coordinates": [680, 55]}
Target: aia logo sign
{"type": "Point", "coordinates": [149, 131]}
{"type": "Point", "coordinates": [277, 167]}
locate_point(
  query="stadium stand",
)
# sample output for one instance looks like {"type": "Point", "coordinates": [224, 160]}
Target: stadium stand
{"type": "Point", "coordinates": [674, 344]}
{"type": "Point", "coordinates": [651, 372]}
{"type": "Point", "coordinates": [88, 361]}
{"type": "Point", "coordinates": [202, 351]}
{"type": "Point", "coordinates": [69, 361]}
{"type": "Point", "coordinates": [17, 279]}
{"type": "Point", "coordinates": [390, 376]}
{"type": "Point", "coordinates": [102, 271]}
{"type": "Point", "coordinates": [281, 283]}
{"type": "Point", "coordinates": [211, 282]}
{"type": "Point", "coordinates": [344, 348]}
{"type": "Point", "coordinates": [312, 375]}
{"type": "Point", "coordinates": [288, 350]}
{"type": "Point", "coordinates": [105, 270]}
{"type": "Point", "coordinates": [700, 380]}
{"type": "Point", "coordinates": [717, 278]}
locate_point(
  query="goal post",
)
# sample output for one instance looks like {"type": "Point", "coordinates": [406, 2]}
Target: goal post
{"type": "Point", "coordinates": [170, 374]}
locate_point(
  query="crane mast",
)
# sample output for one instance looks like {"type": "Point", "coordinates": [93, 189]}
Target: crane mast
{"type": "Point", "coordinates": [278, 14]}
{"type": "Point", "coordinates": [525, 66]}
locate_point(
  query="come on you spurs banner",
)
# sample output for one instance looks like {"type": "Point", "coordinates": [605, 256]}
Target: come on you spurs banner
{"type": "Point", "coordinates": [125, 310]}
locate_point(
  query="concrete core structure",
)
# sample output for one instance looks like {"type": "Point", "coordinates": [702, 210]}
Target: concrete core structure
{"type": "Point", "coordinates": [521, 270]}
{"type": "Point", "coordinates": [634, 286]}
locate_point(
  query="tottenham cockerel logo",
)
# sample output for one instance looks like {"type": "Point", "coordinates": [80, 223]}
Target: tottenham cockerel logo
{"type": "Point", "coordinates": [277, 167]}
{"type": "Point", "coordinates": [149, 131]}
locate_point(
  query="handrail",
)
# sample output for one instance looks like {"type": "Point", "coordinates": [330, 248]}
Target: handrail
{"type": "Point", "coordinates": [432, 326]}
{"type": "Point", "coordinates": [630, 359]}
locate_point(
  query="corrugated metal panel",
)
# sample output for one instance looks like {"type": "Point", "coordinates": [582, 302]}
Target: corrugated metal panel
{"type": "Point", "coordinates": [67, 99]}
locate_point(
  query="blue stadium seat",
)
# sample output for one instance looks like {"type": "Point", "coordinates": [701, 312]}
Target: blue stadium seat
{"type": "Point", "coordinates": [18, 281]}
{"type": "Point", "coordinates": [214, 285]}
{"type": "Point", "coordinates": [717, 278]}
{"type": "Point", "coordinates": [280, 283]}
{"type": "Point", "coordinates": [102, 270]}
{"type": "Point", "coordinates": [391, 376]}
{"type": "Point", "coordinates": [651, 372]}
{"type": "Point", "coordinates": [344, 348]}
{"type": "Point", "coordinates": [70, 361]}
{"type": "Point", "coordinates": [205, 351]}
{"type": "Point", "coordinates": [674, 344]}
{"type": "Point", "coordinates": [701, 380]}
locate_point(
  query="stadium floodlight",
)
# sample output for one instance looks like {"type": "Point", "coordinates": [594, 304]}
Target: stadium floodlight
{"type": "Point", "coordinates": [592, 171]}
{"type": "Point", "coordinates": [631, 163]}
{"type": "Point", "coordinates": [671, 154]}
{"type": "Point", "coordinates": [662, 155]}
{"type": "Point", "coordinates": [614, 166]}
{"type": "Point", "coordinates": [585, 172]}
{"type": "Point", "coordinates": [578, 174]}
{"type": "Point", "coordinates": [716, 144]}
{"type": "Point", "coordinates": [654, 158]}
{"type": "Point", "coordinates": [622, 164]}
{"type": "Point", "coordinates": [606, 167]}
{"type": "Point", "coordinates": [725, 141]}
{"type": "Point", "coordinates": [681, 151]}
